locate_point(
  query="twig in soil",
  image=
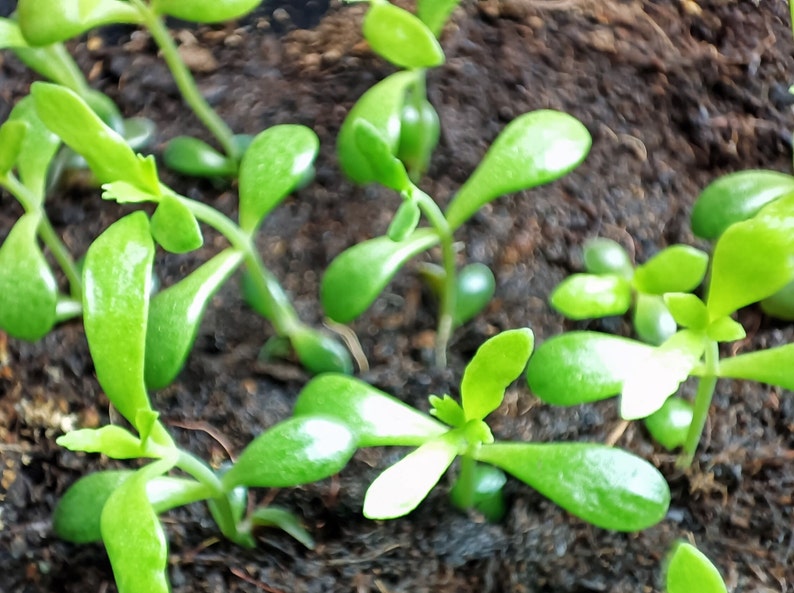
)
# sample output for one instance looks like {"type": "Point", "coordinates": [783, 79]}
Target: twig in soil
{"type": "Point", "coordinates": [350, 339]}
{"type": "Point", "coordinates": [241, 575]}
{"type": "Point", "coordinates": [368, 558]}
{"type": "Point", "coordinates": [210, 430]}
{"type": "Point", "coordinates": [190, 556]}
{"type": "Point", "coordinates": [616, 433]}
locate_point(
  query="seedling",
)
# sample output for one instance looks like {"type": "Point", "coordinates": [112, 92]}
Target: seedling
{"type": "Point", "coordinates": [605, 486]}
{"type": "Point", "coordinates": [688, 570]}
{"type": "Point", "coordinates": [121, 508]}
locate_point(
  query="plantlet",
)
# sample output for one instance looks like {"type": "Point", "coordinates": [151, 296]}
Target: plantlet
{"type": "Point", "coordinates": [688, 570]}
{"type": "Point", "coordinates": [607, 487]}
{"type": "Point", "coordinates": [121, 507]}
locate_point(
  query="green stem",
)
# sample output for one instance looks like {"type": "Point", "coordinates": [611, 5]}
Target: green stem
{"type": "Point", "coordinates": [185, 82]}
{"type": "Point", "coordinates": [466, 482]}
{"type": "Point", "coordinates": [705, 392]}
{"type": "Point", "coordinates": [445, 319]}
{"type": "Point", "coordinates": [418, 95]}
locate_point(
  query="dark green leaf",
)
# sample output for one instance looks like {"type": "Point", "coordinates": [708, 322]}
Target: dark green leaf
{"type": "Point", "coordinates": [605, 256]}
{"type": "Point", "coordinates": [387, 169]}
{"type": "Point", "coordinates": [489, 498]}
{"type": "Point", "coordinates": [678, 268]}
{"type": "Point", "coordinates": [652, 320]}
{"type": "Point", "coordinates": [669, 425]}
{"type": "Point", "coordinates": [434, 13]}
{"type": "Point", "coordinates": [284, 520]}
{"type": "Point", "coordinates": [196, 158]}
{"type": "Point", "coordinates": [400, 37]}
{"type": "Point", "coordinates": [175, 227]}
{"type": "Point", "coordinates": [319, 352]}
{"type": "Point", "coordinates": [689, 570]}
{"type": "Point", "coordinates": [419, 134]}
{"type": "Point", "coordinates": [772, 366]}
{"type": "Point", "coordinates": [474, 288]}
{"type": "Point", "coordinates": [780, 304]}
{"type": "Point", "coordinates": [607, 487]}
{"type": "Point", "coordinates": [77, 517]}
{"type": "Point", "coordinates": [205, 11]}
{"type": "Point", "coordinates": [588, 296]}
{"type": "Point", "coordinates": [48, 21]}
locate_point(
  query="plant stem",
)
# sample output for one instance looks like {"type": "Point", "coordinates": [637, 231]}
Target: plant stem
{"type": "Point", "coordinates": [705, 392]}
{"type": "Point", "coordinates": [467, 481]}
{"type": "Point", "coordinates": [185, 82]}
{"type": "Point", "coordinates": [445, 319]}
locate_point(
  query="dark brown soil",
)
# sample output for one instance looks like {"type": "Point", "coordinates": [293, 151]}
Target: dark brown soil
{"type": "Point", "coordinates": [674, 93]}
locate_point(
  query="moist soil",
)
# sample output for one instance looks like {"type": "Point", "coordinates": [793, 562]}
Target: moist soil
{"type": "Point", "coordinates": [673, 93]}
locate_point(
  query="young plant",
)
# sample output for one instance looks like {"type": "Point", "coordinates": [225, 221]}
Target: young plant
{"type": "Point", "coordinates": [605, 486]}
{"type": "Point", "coordinates": [121, 507]}
{"type": "Point", "coordinates": [751, 261]}
{"type": "Point", "coordinates": [612, 286]}
{"type": "Point", "coordinates": [688, 570]}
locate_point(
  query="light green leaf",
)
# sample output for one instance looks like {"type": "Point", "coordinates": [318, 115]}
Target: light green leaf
{"type": "Point", "coordinates": [38, 148]}
{"type": "Point", "coordinates": [496, 364]}
{"type": "Point", "coordinates": [12, 135]}
{"type": "Point", "coordinates": [196, 158]}
{"type": "Point", "coordinates": [535, 148]}
{"type": "Point", "coordinates": [736, 197]}
{"type": "Point", "coordinates": [175, 227]}
{"type": "Point", "coordinates": [588, 296]}
{"type": "Point", "coordinates": [278, 160]}
{"type": "Point", "coordinates": [669, 425]}
{"type": "Point", "coordinates": [434, 13]}
{"type": "Point", "coordinates": [652, 319]}
{"type": "Point", "coordinates": [166, 492]}
{"type": "Point", "coordinates": [48, 21]}
{"type": "Point", "coordinates": [28, 290]}
{"type": "Point", "coordinates": [297, 451]}
{"type": "Point", "coordinates": [447, 410]}
{"type": "Point", "coordinates": [400, 37]}
{"type": "Point", "coordinates": [358, 275]}
{"type": "Point", "coordinates": [399, 489]}
{"type": "Point", "coordinates": [725, 329]}
{"type": "Point", "coordinates": [205, 11]}
{"type": "Point", "coordinates": [113, 441]}
{"type": "Point", "coordinates": [607, 487]}
{"type": "Point", "coordinates": [375, 418]}
{"type": "Point", "coordinates": [772, 366]}
{"type": "Point", "coordinates": [10, 35]}
{"type": "Point", "coordinates": [284, 520]}
{"type": "Point", "coordinates": [605, 256]}
{"type": "Point", "coordinates": [405, 221]}
{"type": "Point", "coordinates": [126, 193]}
{"type": "Point", "coordinates": [678, 268]}
{"type": "Point", "coordinates": [580, 367]}
{"type": "Point", "coordinates": [687, 310]}
{"type": "Point", "coordinates": [689, 570]}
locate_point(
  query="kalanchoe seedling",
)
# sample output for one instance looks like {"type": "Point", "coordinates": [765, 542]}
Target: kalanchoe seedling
{"type": "Point", "coordinates": [689, 570]}
{"type": "Point", "coordinates": [605, 486]}
{"type": "Point", "coordinates": [121, 507]}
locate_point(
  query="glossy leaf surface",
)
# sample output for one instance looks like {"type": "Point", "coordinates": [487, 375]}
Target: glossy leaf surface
{"type": "Point", "coordinates": [196, 158]}
{"type": "Point", "coordinates": [605, 256]}
{"type": "Point", "coordinates": [496, 364]}
{"type": "Point", "coordinates": [488, 496]}
{"type": "Point", "coordinates": [652, 320]}
{"type": "Point", "coordinates": [12, 134]}
{"type": "Point", "coordinates": [474, 288]}
{"type": "Point", "coordinates": [205, 11]}
{"type": "Point", "coordinates": [400, 37]}
{"type": "Point", "coordinates": [387, 169]}
{"type": "Point", "coordinates": [48, 21]}
{"type": "Point", "coordinates": [318, 352]}
{"type": "Point", "coordinates": [434, 13]}
{"type": "Point", "coordinates": [375, 418]}
{"type": "Point", "coordinates": [399, 489]}
{"type": "Point", "coordinates": [77, 517]}
{"type": "Point", "coordinates": [38, 148]}
{"type": "Point", "coordinates": [580, 367]}
{"type": "Point", "coordinates": [175, 315]}
{"type": "Point", "coordinates": [405, 221]}
{"type": "Point", "coordinates": [588, 296]}
{"type": "Point", "coordinates": [116, 278]}
{"type": "Point", "coordinates": [28, 290]}
{"type": "Point", "coordinates": [277, 161]}
{"type": "Point", "coordinates": [607, 487]}
{"type": "Point", "coordinates": [175, 227]}
{"type": "Point", "coordinates": [420, 131]}
{"type": "Point", "coordinates": [669, 425]}
{"type": "Point", "coordinates": [736, 197]}
{"type": "Point", "coordinates": [772, 366]}
{"type": "Point", "coordinates": [689, 570]}
{"type": "Point", "coordinates": [358, 275]}
{"type": "Point", "coordinates": [297, 451]}
{"type": "Point", "coordinates": [535, 148]}
{"type": "Point", "coordinates": [10, 35]}
{"type": "Point", "coordinates": [679, 268]}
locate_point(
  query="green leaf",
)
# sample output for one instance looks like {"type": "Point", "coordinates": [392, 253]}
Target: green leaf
{"type": "Point", "coordinates": [652, 319]}
{"type": "Point", "coordinates": [736, 197]}
{"type": "Point", "coordinates": [277, 161]}
{"type": "Point", "coordinates": [48, 21]}
{"type": "Point", "coordinates": [689, 570]}
{"type": "Point", "coordinates": [38, 148]}
{"type": "Point", "coordinates": [138, 132]}
{"type": "Point", "coordinates": [420, 132]}
{"type": "Point", "coordinates": [488, 496]}
{"type": "Point", "coordinates": [284, 520]}
{"type": "Point", "coordinates": [533, 149]}
{"type": "Point", "coordinates": [447, 410]}
{"type": "Point", "coordinates": [399, 489]}
{"type": "Point", "coordinates": [297, 451]}
{"type": "Point", "coordinates": [319, 352]}
{"type": "Point", "coordinates": [581, 367]}
{"type": "Point", "coordinates": [496, 364]}
{"type": "Point", "coordinates": [126, 193]}
{"type": "Point", "coordinates": [196, 158]}
{"type": "Point", "coordinates": [607, 487]}
{"type": "Point", "coordinates": [166, 492]}
{"type": "Point", "coordinates": [176, 313]}
{"type": "Point", "coordinates": [381, 106]}
{"type": "Point", "coordinates": [772, 366]}
{"type": "Point", "coordinates": [116, 277]}
{"type": "Point", "coordinates": [474, 288]}
{"type": "Point", "coordinates": [114, 441]}
{"type": "Point", "coordinates": [358, 275]}
{"type": "Point", "coordinates": [669, 425]}
{"type": "Point", "coordinates": [588, 296]}
{"type": "Point", "coordinates": [434, 13]}
{"type": "Point", "coordinates": [725, 329]}
{"type": "Point", "coordinates": [28, 288]}
{"type": "Point", "coordinates": [12, 135]}
{"type": "Point", "coordinates": [205, 11]}
{"type": "Point", "coordinates": [605, 256]}
{"type": "Point", "coordinates": [133, 536]}
{"type": "Point", "coordinates": [175, 227]}
{"type": "Point", "coordinates": [375, 418]}
{"type": "Point", "coordinates": [10, 35]}
{"type": "Point", "coordinates": [678, 268]}
{"type": "Point", "coordinates": [105, 151]}
{"type": "Point", "coordinates": [780, 304]}
{"type": "Point", "coordinates": [687, 310]}
{"type": "Point", "coordinates": [400, 37]}
{"type": "Point", "coordinates": [405, 221]}
{"type": "Point", "coordinates": [386, 168]}
{"type": "Point", "coordinates": [654, 378]}
{"type": "Point", "coordinates": [752, 259]}
{"type": "Point", "coordinates": [77, 517]}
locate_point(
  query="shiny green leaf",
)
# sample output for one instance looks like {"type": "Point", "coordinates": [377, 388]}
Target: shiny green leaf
{"type": "Point", "coordinates": [605, 256]}
{"type": "Point", "coordinates": [400, 37]}
{"type": "Point", "coordinates": [114, 441]}
{"type": "Point", "coordinates": [447, 410]}
{"type": "Point", "coordinates": [387, 169]}
{"type": "Point", "coordinates": [474, 288]}
{"type": "Point", "coordinates": [175, 227]}
{"type": "Point", "coordinates": [399, 489]}
{"type": "Point", "coordinates": [687, 310]}
{"type": "Point", "coordinates": [48, 21]}
{"type": "Point", "coordinates": [736, 197]}
{"type": "Point", "coordinates": [175, 315]}
{"type": "Point", "coordinates": [205, 11]}
{"type": "Point", "coordinates": [77, 516]}
{"type": "Point", "coordinates": [10, 35]}
{"type": "Point", "coordinates": [12, 135]}
{"type": "Point", "coordinates": [488, 496]}
{"type": "Point", "coordinates": [166, 492]}
{"type": "Point", "coordinates": [297, 451]}
{"type": "Point", "coordinates": [196, 158]}
{"type": "Point", "coordinates": [28, 290]}
{"type": "Point", "coordinates": [535, 148]}
{"type": "Point", "coordinates": [772, 366]}
{"type": "Point", "coordinates": [358, 275]}
{"type": "Point", "coordinates": [669, 425]}
{"type": "Point", "coordinates": [38, 148]}
{"type": "Point", "coordinates": [319, 352]}
{"type": "Point", "coordinates": [420, 131]}
{"type": "Point", "coordinates": [580, 367]}
{"type": "Point", "coordinates": [405, 221]}
{"type": "Point", "coordinates": [607, 487]}
{"type": "Point", "coordinates": [725, 329]}
{"type": "Point", "coordinates": [277, 161]}
{"type": "Point", "coordinates": [678, 268]}
{"type": "Point", "coordinates": [780, 304]}
{"type": "Point", "coordinates": [588, 296]}
{"type": "Point", "coordinates": [652, 319]}
{"type": "Point", "coordinates": [496, 364]}
{"type": "Point", "coordinates": [375, 418]}
{"type": "Point", "coordinates": [689, 570]}
{"type": "Point", "coordinates": [434, 13]}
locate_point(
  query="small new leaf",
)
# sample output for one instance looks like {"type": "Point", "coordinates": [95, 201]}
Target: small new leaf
{"type": "Point", "coordinates": [588, 296]}
{"type": "Point", "coordinates": [687, 310]}
{"type": "Point", "coordinates": [113, 441]}
{"type": "Point", "coordinates": [175, 227]}
{"type": "Point", "coordinates": [12, 135]}
{"type": "Point", "coordinates": [679, 268]}
{"type": "Point", "coordinates": [447, 410]}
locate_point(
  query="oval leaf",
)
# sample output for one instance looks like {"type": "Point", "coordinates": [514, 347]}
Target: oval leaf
{"type": "Point", "coordinates": [405, 221]}
{"type": "Point", "coordinates": [49, 21]}
{"type": "Point", "coordinates": [772, 366]}
{"type": "Point", "coordinates": [387, 168]}
{"type": "Point", "coordinates": [679, 268]}
{"type": "Point", "coordinates": [174, 227]}
{"type": "Point", "coordinates": [588, 296]}
{"type": "Point", "coordinates": [297, 451]}
{"type": "Point", "coordinates": [652, 320]}
{"type": "Point", "coordinates": [605, 256]}
{"type": "Point", "coordinates": [12, 135]}
{"type": "Point", "coordinates": [400, 37]}
{"type": "Point", "coordinates": [533, 149]}
{"type": "Point", "coordinates": [10, 35]}
{"type": "Point", "coordinates": [690, 570]}
{"type": "Point", "coordinates": [205, 11]}
{"type": "Point", "coordinates": [420, 131]}
{"type": "Point", "coordinates": [38, 148]}
{"type": "Point", "coordinates": [434, 13]}
{"type": "Point", "coordinates": [277, 161]}
{"type": "Point", "coordinates": [687, 310]}
{"type": "Point", "coordinates": [194, 157]}
{"type": "Point", "coordinates": [358, 275]}
{"type": "Point", "coordinates": [375, 418]}
{"type": "Point", "coordinates": [581, 367]}
{"type": "Point", "coordinates": [669, 425]}
{"type": "Point", "coordinates": [607, 487]}
{"type": "Point", "coordinates": [736, 197]}
{"type": "Point", "coordinates": [319, 352]}
{"type": "Point", "coordinates": [28, 288]}
{"type": "Point", "coordinates": [474, 289]}
{"type": "Point", "coordinates": [780, 304]}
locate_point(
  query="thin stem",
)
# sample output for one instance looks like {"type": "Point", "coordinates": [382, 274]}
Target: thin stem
{"type": "Point", "coordinates": [705, 392]}
{"type": "Point", "coordinates": [185, 82]}
{"type": "Point", "coordinates": [466, 481]}
{"type": "Point", "coordinates": [194, 466]}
